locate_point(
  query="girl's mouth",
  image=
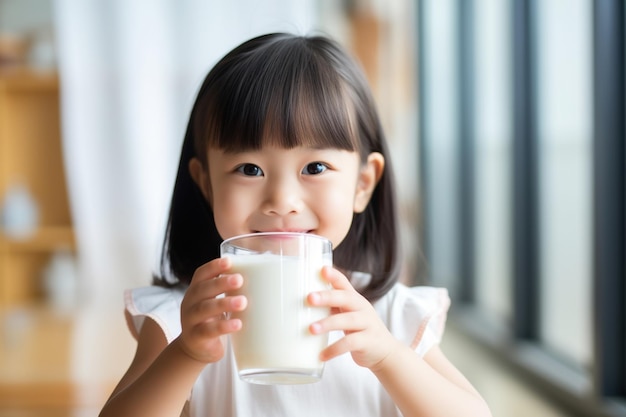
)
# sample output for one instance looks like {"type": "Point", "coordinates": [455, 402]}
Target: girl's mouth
{"type": "Point", "coordinates": [283, 231]}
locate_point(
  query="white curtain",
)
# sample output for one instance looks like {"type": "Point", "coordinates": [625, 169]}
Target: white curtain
{"type": "Point", "coordinates": [129, 73]}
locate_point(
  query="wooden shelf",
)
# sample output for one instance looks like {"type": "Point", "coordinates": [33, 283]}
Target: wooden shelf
{"type": "Point", "coordinates": [31, 155]}
{"type": "Point", "coordinates": [25, 80]}
{"type": "Point", "coordinates": [46, 239]}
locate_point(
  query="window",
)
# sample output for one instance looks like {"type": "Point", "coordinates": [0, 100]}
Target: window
{"type": "Point", "coordinates": [440, 154]}
{"type": "Point", "coordinates": [492, 156]}
{"type": "Point", "coordinates": [523, 169]}
{"type": "Point", "coordinates": [564, 112]}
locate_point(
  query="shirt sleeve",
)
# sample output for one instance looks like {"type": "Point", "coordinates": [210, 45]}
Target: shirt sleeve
{"type": "Point", "coordinates": [160, 304]}
{"type": "Point", "coordinates": [418, 316]}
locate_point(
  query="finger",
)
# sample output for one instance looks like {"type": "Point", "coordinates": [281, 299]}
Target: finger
{"type": "Point", "coordinates": [343, 296]}
{"type": "Point", "coordinates": [211, 288]}
{"type": "Point", "coordinates": [336, 279]}
{"type": "Point", "coordinates": [212, 269]}
{"type": "Point", "coordinates": [211, 330]}
{"type": "Point", "coordinates": [214, 308]}
{"type": "Point", "coordinates": [344, 300]}
{"type": "Point", "coordinates": [346, 344]}
{"type": "Point", "coordinates": [348, 322]}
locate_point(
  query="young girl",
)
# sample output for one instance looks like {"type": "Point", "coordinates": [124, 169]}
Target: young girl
{"type": "Point", "coordinates": [284, 136]}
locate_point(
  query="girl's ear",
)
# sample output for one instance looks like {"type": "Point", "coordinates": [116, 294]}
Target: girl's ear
{"type": "Point", "coordinates": [200, 177]}
{"type": "Point", "coordinates": [369, 176]}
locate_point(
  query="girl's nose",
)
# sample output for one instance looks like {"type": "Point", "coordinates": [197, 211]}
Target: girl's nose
{"type": "Point", "coordinates": [282, 197]}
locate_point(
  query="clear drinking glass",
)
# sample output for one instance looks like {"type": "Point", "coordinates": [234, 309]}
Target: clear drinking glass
{"type": "Point", "coordinates": [279, 270]}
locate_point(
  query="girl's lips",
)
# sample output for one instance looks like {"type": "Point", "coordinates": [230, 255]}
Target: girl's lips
{"type": "Point", "coordinates": [283, 231]}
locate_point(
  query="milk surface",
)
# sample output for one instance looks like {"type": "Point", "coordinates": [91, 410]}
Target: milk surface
{"type": "Point", "coordinates": [275, 341]}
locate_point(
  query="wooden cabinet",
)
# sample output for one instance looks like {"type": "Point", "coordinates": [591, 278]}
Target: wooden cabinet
{"type": "Point", "coordinates": [31, 155]}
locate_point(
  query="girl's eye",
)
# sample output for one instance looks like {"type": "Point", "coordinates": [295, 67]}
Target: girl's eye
{"type": "Point", "coordinates": [250, 170]}
{"type": "Point", "coordinates": [314, 168]}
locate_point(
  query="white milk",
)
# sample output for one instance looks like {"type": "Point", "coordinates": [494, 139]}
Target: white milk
{"type": "Point", "coordinates": [274, 344]}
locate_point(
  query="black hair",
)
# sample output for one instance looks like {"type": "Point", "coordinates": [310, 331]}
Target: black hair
{"type": "Point", "coordinates": [289, 91]}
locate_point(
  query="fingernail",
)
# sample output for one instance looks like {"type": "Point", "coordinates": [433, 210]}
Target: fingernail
{"type": "Point", "coordinates": [240, 301]}
{"type": "Point", "coordinates": [236, 324]}
{"type": "Point", "coordinates": [235, 280]}
{"type": "Point", "coordinates": [315, 328]}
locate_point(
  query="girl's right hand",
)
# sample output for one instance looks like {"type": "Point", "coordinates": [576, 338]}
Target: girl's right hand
{"type": "Point", "coordinates": [204, 316]}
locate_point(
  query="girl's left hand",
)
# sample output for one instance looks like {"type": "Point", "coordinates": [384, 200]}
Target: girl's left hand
{"type": "Point", "coordinates": [366, 336]}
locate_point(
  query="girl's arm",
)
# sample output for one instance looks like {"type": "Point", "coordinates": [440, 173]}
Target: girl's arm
{"type": "Point", "coordinates": [161, 376]}
{"type": "Point", "coordinates": [429, 386]}
{"type": "Point", "coordinates": [157, 383]}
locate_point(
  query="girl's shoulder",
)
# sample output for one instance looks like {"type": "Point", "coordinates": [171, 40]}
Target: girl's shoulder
{"type": "Point", "coordinates": [157, 303]}
{"type": "Point", "coordinates": [421, 297]}
{"type": "Point", "coordinates": [416, 315]}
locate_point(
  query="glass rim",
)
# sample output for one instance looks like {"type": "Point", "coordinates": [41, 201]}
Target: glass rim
{"type": "Point", "coordinates": [270, 234]}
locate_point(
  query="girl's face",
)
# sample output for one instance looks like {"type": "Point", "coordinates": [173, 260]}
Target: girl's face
{"type": "Point", "coordinates": [297, 190]}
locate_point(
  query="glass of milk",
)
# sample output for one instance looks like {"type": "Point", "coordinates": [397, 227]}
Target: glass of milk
{"type": "Point", "coordinates": [279, 270]}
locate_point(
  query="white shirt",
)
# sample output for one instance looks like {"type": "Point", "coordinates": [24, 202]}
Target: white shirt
{"type": "Point", "coordinates": [414, 315]}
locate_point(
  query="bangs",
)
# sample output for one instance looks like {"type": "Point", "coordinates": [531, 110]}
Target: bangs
{"type": "Point", "coordinates": [281, 95]}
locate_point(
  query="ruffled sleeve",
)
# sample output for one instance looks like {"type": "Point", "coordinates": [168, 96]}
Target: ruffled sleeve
{"type": "Point", "coordinates": [417, 315]}
{"type": "Point", "coordinates": [160, 304]}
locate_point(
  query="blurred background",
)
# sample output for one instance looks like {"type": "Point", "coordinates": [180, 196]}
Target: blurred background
{"type": "Point", "coordinates": [506, 123]}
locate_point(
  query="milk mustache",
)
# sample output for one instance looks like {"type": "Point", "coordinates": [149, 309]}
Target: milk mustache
{"type": "Point", "coordinates": [275, 345]}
